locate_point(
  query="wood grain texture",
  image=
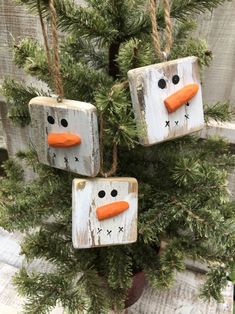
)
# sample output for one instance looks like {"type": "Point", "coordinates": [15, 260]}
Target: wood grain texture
{"type": "Point", "coordinates": [88, 231]}
{"type": "Point", "coordinates": [82, 120]}
{"type": "Point", "coordinates": [17, 23]}
{"type": "Point", "coordinates": [155, 124]}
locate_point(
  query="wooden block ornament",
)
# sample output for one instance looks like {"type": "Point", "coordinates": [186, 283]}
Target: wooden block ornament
{"type": "Point", "coordinates": [167, 100]}
{"type": "Point", "coordinates": [65, 134]}
{"type": "Point", "coordinates": [104, 212]}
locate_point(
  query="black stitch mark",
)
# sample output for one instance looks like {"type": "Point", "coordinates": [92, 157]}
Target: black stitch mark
{"type": "Point", "coordinates": [187, 104]}
{"type": "Point", "coordinates": [167, 124]}
{"type": "Point", "coordinates": [176, 122]}
{"type": "Point", "coordinates": [66, 160]}
{"type": "Point", "coordinates": [99, 230]}
{"type": "Point", "coordinates": [76, 159]}
{"type": "Point", "coordinates": [109, 232]}
{"type": "Point", "coordinates": [186, 116]}
{"type": "Point", "coordinates": [120, 229]}
{"type": "Point", "coordinates": [54, 155]}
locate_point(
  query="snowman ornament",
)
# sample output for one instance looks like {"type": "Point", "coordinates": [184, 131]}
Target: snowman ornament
{"type": "Point", "coordinates": [104, 212]}
{"type": "Point", "coordinates": [65, 134]}
{"type": "Point", "coordinates": [167, 100]}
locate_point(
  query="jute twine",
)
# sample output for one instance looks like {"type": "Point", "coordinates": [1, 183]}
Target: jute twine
{"type": "Point", "coordinates": [53, 65]}
{"type": "Point", "coordinates": [161, 54]}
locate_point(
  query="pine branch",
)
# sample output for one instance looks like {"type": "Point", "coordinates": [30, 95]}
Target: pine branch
{"type": "Point", "coordinates": [219, 112]}
{"type": "Point", "coordinates": [18, 96]}
{"type": "Point", "coordinates": [192, 47]}
{"type": "Point", "coordinates": [217, 281]}
{"type": "Point", "coordinates": [119, 120]}
{"type": "Point", "coordinates": [86, 51]}
{"type": "Point", "coordinates": [182, 9]}
{"type": "Point", "coordinates": [83, 21]}
{"type": "Point", "coordinates": [133, 54]}
{"type": "Point", "coordinates": [44, 290]}
{"type": "Point", "coordinates": [119, 268]}
{"type": "Point", "coordinates": [30, 56]}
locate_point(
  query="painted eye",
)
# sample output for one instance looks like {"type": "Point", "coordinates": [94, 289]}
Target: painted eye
{"type": "Point", "coordinates": [50, 119]}
{"type": "Point", "coordinates": [64, 123]}
{"type": "Point", "coordinates": [101, 194]}
{"type": "Point", "coordinates": [114, 193]}
{"type": "Point", "coordinates": [175, 79]}
{"type": "Point", "coordinates": [162, 83]}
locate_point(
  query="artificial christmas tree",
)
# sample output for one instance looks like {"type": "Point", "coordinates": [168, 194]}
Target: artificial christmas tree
{"type": "Point", "coordinates": [183, 197]}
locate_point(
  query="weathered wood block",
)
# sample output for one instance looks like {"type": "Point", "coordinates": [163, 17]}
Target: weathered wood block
{"type": "Point", "coordinates": [167, 100]}
{"type": "Point", "coordinates": [104, 212]}
{"type": "Point", "coordinates": [65, 135]}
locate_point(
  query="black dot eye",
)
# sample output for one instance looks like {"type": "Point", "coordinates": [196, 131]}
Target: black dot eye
{"type": "Point", "coordinates": [175, 79]}
{"type": "Point", "coordinates": [114, 193]}
{"type": "Point", "coordinates": [64, 123]}
{"type": "Point", "coordinates": [101, 194]}
{"type": "Point", "coordinates": [162, 83]}
{"type": "Point", "coordinates": [50, 119]}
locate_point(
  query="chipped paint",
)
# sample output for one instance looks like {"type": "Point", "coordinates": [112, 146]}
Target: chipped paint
{"type": "Point", "coordinates": [148, 100]}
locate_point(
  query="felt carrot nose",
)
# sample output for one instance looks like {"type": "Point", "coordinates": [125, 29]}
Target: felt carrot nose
{"type": "Point", "coordinates": [181, 97]}
{"type": "Point", "coordinates": [111, 210]}
{"type": "Point", "coordinates": [63, 140]}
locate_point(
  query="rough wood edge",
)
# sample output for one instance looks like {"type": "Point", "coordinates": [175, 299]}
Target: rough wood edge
{"type": "Point", "coordinates": [134, 72]}
{"type": "Point", "coordinates": [222, 129]}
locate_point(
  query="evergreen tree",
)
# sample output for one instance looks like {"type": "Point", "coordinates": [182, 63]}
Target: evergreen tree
{"type": "Point", "coordinates": [183, 196]}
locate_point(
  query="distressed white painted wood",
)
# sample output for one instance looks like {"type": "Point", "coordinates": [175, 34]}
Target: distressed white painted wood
{"type": "Point", "coordinates": [155, 123]}
{"type": "Point", "coordinates": [221, 129]}
{"type": "Point", "coordinates": [88, 230]}
{"type": "Point", "coordinates": [82, 121]}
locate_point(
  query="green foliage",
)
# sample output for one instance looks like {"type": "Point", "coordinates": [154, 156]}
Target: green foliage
{"type": "Point", "coordinates": [44, 298]}
{"type": "Point", "coordinates": [181, 9]}
{"type": "Point", "coordinates": [134, 54]}
{"type": "Point", "coordinates": [116, 109]}
{"type": "Point", "coordinates": [217, 280]}
{"type": "Point", "coordinates": [31, 57]}
{"type": "Point", "coordinates": [192, 47]}
{"type": "Point", "coordinates": [18, 96]}
{"type": "Point", "coordinates": [183, 196]}
{"type": "Point", "coordinates": [220, 112]}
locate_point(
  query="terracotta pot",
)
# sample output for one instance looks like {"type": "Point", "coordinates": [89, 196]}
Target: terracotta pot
{"type": "Point", "coordinates": [135, 292]}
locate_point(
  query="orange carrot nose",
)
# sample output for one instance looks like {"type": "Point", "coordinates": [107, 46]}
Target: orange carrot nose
{"type": "Point", "coordinates": [111, 210]}
{"type": "Point", "coordinates": [63, 140]}
{"type": "Point", "coordinates": [181, 97]}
